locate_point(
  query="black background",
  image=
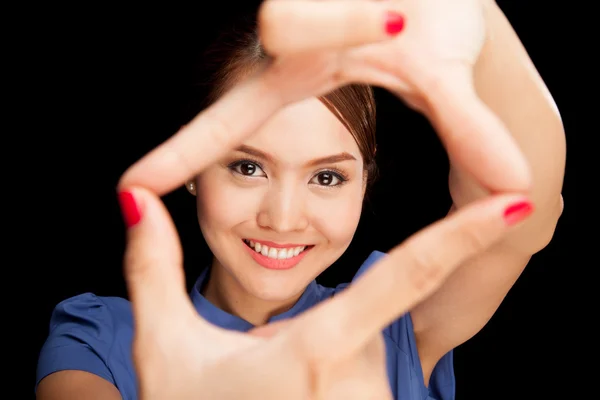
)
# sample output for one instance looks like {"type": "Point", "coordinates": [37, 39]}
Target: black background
{"type": "Point", "coordinates": [101, 87]}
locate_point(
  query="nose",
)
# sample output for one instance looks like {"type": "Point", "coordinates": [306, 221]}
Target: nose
{"type": "Point", "coordinates": [283, 210]}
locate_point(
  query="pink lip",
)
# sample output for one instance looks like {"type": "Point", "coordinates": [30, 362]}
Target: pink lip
{"type": "Point", "coordinates": [277, 245]}
{"type": "Point", "coordinates": [271, 263]}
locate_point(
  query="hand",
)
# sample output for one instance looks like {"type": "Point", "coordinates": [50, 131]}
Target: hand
{"type": "Point", "coordinates": [320, 45]}
{"type": "Point", "coordinates": [179, 355]}
{"type": "Point", "coordinates": [333, 351]}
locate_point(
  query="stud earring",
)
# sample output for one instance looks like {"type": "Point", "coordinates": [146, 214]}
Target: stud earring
{"type": "Point", "coordinates": [191, 187]}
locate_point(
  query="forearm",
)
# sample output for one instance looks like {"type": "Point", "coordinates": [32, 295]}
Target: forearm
{"type": "Point", "coordinates": [507, 81]}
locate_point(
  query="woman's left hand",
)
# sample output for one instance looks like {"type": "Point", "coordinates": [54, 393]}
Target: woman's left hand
{"type": "Point", "coordinates": [429, 65]}
{"type": "Point", "coordinates": [320, 45]}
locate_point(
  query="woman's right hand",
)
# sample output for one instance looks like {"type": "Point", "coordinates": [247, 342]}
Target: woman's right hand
{"type": "Point", "coordinates": [333, 351]}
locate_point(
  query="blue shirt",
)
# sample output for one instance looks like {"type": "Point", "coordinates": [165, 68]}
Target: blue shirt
{"type": "Point", "coordinates": [94, 334]}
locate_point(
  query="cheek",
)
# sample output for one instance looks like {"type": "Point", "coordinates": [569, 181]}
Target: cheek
{"type": "Point", "coordinates": [337, 218]}
{"type": "Point", "coordinates": [221, 204]}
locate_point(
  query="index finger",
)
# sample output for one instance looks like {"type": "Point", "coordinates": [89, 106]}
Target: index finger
{"type": "Point", "coordinates": [407, 275]}
{"type": "Point", "coordinates": [220, 127]}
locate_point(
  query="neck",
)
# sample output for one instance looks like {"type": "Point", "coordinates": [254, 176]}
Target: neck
{"type": "Point", "coordinates": [225, 292]}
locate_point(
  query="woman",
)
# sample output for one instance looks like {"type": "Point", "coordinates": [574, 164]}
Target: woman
{"type": "Point", "coordinates": [280, 165]}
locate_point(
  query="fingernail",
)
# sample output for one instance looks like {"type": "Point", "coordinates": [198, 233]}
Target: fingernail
{"type": "Point", "coordinates": [129, 209]}
{"type": "Point", "coordinates": [517, 212]}
{"type": "Point", "coordinates": [394, 23]}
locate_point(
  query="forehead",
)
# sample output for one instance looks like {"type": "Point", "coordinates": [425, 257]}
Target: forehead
{"type": "Point", "coordinates": [302, 131]}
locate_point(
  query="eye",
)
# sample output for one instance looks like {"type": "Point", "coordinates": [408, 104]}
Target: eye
{"type": "Point", "coordinates": [247, 168]}
{"type": "Point", "coordinates": [328, 178]}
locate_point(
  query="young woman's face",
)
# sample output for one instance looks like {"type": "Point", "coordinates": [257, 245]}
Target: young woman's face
{"type": "Point", "coordinates": [284, 206]}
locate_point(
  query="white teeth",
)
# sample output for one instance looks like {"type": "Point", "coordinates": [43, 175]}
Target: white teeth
{"type": "Point", "coordinates": [282, 254]}
{"type": "Point", "coordinates": [271, 252]}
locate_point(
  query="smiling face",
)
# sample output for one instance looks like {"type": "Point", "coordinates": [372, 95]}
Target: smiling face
{"type": "Point", "coordinates": [283, 206]}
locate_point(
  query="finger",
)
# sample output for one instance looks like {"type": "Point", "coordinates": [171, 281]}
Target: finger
{"type": "Point", "coordinates": [476, 140]}
{"type": "Point", "coordinates": [298, 26]}
{"type": "Point", "coordinates": [153, 260]}
{"type": "Point", "coordinates": [206, 138]}
{"type": "Point", "coordinates": [408, 274]}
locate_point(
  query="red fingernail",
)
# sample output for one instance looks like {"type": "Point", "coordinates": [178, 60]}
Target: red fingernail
{"type": "Point", "coordinates": [129, 209]}
{"type": "Point", "coordinates": [394, 23]}
{"type": "Point", "coordinates": [517, 212]}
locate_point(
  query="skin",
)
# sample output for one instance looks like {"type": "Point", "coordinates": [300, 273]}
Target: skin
{"type": "Point", "coordinates": [460, 306]}
{"type": "Point", "coordinates": [289, 201]}
{"type": "Point", "coordinates": [508, 83]}
{"type": "Point", "coordinates": [466, 302]}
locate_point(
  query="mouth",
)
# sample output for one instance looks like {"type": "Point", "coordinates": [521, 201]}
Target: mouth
{"type": "Point", "coordinates": [272, 257]}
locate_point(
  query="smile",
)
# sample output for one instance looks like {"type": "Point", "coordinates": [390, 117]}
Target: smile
{"type": "Point", "coordinates": [272, 257]}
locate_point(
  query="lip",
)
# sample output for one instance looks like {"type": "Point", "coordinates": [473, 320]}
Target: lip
{"type": "Point", "coordinates": [277, 245]}
{"type": "Point", "coordinates": [273, 264]}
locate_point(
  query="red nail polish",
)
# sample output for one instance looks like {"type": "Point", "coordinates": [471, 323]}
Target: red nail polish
{"type": "Point", "coordinates": [517, 212]}
{"type": "Point", "coordinates": [394, 23]}
{"type": "Point", "coordinates": [129, 209]}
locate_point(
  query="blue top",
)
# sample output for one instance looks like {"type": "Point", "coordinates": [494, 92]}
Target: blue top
{"type": "Point", "coordinates": [94, 334]}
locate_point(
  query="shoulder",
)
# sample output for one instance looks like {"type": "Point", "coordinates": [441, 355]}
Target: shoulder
{"type": "Point", "coordinates": [369, 262]}
{"type": "Point", "coordinates": [88, 333]}
{"type": "Point", "coordinates": [88, 314]}
{"type": "Point", "coordinates": [90, 306]}
{"type": "Point", "coordinates": [364, 267]}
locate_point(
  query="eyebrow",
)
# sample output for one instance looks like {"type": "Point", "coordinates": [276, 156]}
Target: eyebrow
{"type": "Point", "coordinates": [335, 158]}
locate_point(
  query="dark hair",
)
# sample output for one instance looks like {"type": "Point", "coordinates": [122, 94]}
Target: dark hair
{"type": "Point", "coordinates": [237, 53]}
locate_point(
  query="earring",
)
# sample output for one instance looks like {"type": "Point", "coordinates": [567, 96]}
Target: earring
{"type": "Point", "coordinates": [191, 187]}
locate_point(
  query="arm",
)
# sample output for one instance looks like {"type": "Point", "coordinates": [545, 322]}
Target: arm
{"type": "Point", "coordinates": [507, 81]}
{"type": "Point", "coordinates": [74, 385]}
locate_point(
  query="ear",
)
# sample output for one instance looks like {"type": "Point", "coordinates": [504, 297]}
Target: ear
{"type": "Point", "coordinates": [191, 187]}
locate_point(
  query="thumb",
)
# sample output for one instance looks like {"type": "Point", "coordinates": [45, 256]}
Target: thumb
{"type": "Point", "coordinates": [153, 259]}
{"type": "Point", "coordinates": [299, 26]}
{"type": "Point", "coordinates": [476, 140]}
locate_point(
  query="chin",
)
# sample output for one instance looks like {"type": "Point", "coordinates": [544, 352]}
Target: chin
{"type": "Point", "coordinates": [271, 284]}
{"type": "Point", "coordinates": [276, 287]}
